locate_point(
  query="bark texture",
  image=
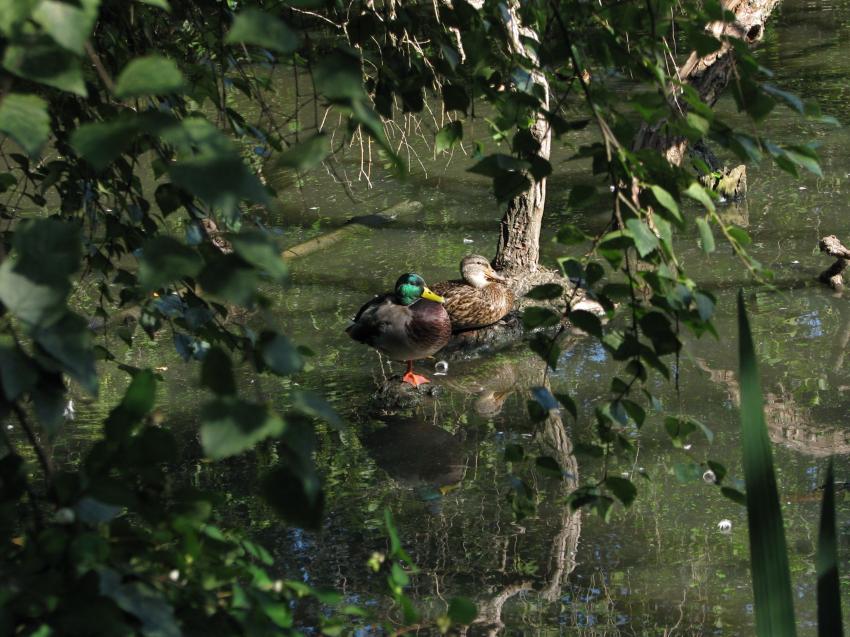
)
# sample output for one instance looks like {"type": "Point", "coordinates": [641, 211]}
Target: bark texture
{"type": "Point", "coordinates": [833, 276]}
{"type": "Point", "coordinates": [518, 248]}
{"type": "Point", "coordinates": [710, 74]}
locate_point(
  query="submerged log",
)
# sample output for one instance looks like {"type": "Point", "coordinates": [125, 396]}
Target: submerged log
{"type": "Point", "coordinates": [833, 276]}
{"type": "Point", "coordinates": [352, 226]}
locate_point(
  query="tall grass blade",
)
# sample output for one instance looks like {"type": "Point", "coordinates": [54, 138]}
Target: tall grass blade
{"type": "Point", "coordinates": [768, 551]}
{"type": "Point", "coordinates": [826, 563]}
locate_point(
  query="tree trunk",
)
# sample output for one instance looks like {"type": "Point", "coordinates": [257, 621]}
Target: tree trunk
{"type": "Point", "coordinates": [709, 74]}
{"type": "Point", "coordinates": [518, 248]}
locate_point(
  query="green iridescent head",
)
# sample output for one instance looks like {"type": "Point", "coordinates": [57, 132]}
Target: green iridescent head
{"type": "Point", "coordinates": [411, 287]}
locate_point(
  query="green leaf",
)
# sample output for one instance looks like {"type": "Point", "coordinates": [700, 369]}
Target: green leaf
{"type": "Point", "coordinates": [149, 75]}
{"type": "Point", "coordinates": [217, 373]}
{"type": "Point", "coordinates": [312, 404]}
{"type": "Point", "coordinates": [227, 278]}
{"type": "Point", "coordinates": [18, 372]}
{"type": "Point", "coordinates": [69, 342]}
{"type": "Point", "coordinates": [719, 471]}
{"type": "Point", "coordinates": [680, 427]}
{"type": "Point", "coordinates": [635, 411]}
{"type": "Point", "coordinates": [139, 399]}
{"type": "Point", "coordinates": [666, 199]}
{"type": "Point", "coordinates": [696, 191]}
{"type": "Point", "coordinates": [774, 601]}
{"type": "Point", "coordinates": [338, 76]}
{"type": "Point", "coordinates": [279, 354]}
{"type": "Point", "coordinates": [25, 119]}
{"type": "Point", "coordinates": [169, 198]}
{"type": "Point", "coordinates": [534, 317]}
{"type": "Point", "coordinates": [69, 25]}
{"type": "Point", "coordinates": [514, 452]}
{"type": "Point", "coordinates": [33, 303]}
{"type": "Point", "coordinates": [826, 563]}
{"type": "Point", "coordinates": [148, 606]}
{"type": "Point", "coordinates": [307, 154]}
{"type": "Point", "coordinates": [498, 164]}
{"type": "Point", "coordinates": [210, 167]}
{"type": "Point", "coordinates": [806, 161]}
{"type": "Point", "coordinates": [793, 101]}
{"type": "Point", "coordinates": [253, 26]}
{"type": "Point", "coordinates": [259, 249]}
{"type": "Point", "coordinates": [645, 239]}
{"type": "Point", "coordinates": [14, 14]}
{"type": "Point", "coordinates": [545, 291]}
{"type": "Point", "coordinates": [462, 610]}
{"type": "Point", "coordinates": [48, 398]}
{"type": "Point", "coordinates": [568, 403]}
{"type": "Point", "coordinates": [48, 250]}
{"type": "Point", "coordinates": [740, 235]}
{"type": "Point", "coordinates": [587, 322]}
{"type": "Point", "coordinates": [546, 348]}
{"type": "Point", "coordinates": [100, 143]}
{"type": "Point", "coordinates": [734, 495]}
{"type": "Point", "coordinates": [297, 500]}
{"type": "Point", "coordinates": [549, 466]}
{"type": "Point", "coordinates": [570, 234]}
{"type": "Point", "coordinates": [624, 489]}
{"type": "Point", "coordinates": [230, 426]}
{"type": "Point", "coordinates": [44, 62]}
{"type": "Point", "coordinates": [165, 260]}
{"type": "Point", "coordinates": [455, 98]}
{"type": "Point", "coordinates": [544, 398]}
{"type": "Point", "coordinates": [449, 136]}
{"type": "Point", "coordinates": [705, 235]}
{"type": "Point", "coordinates": [7, 181]}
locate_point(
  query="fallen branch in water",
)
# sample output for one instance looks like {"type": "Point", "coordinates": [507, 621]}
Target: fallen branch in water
{"type": "Point", "coordinates": [351, 226]}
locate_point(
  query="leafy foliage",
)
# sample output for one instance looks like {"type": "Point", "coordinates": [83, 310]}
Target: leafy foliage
{"type": "Point", "coordinates": [97, 93]}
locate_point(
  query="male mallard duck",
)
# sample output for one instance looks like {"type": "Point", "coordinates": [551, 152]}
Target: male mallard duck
{"type": "Point", "coordinates": [407, 324]}
{"type": "Point", "coordinates": [479, 299]}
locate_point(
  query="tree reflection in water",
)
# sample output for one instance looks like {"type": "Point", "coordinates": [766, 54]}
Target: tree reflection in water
{"type": "Point", "coordinates": [420, 455]}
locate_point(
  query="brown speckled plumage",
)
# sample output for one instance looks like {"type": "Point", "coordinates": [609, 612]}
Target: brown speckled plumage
{"type": "Point", "coordinates": [477, 300]}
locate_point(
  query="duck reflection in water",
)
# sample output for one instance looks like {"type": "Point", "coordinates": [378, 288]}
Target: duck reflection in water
{"type": "Point", "coordinates": [418, 454]}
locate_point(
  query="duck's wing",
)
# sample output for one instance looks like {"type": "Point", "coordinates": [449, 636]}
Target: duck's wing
{"type": "Point", "coordinates": [471, 308]}
{"type": "Point", "coordinates": [447, 288]}
{"type": "Point", "coordinates": [371, 306]}
{"type": "Point", "coordinates": [370, 322]}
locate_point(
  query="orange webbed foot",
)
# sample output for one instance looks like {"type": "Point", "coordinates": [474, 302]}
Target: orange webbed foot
{"type": "Point", "coordinates": [414, 379]}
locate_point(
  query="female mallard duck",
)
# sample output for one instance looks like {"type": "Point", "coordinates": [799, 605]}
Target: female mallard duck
{"type": "Point", "coordinates": [479, 299]}
{"type": "Point", "coordinates": [407, 324]}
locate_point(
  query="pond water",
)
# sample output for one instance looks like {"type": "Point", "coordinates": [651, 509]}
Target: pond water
{"type": "Point", "coordinates": [662, 566]}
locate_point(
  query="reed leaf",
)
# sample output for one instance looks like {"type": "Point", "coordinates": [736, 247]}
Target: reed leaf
{"type": "Point", "coordinates": [768, 551]}
{"type": "Point", "coordinates": [826, 563]}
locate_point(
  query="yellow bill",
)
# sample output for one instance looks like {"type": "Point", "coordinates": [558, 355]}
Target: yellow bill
{"type": "Point", "coordinates": [428, 294]}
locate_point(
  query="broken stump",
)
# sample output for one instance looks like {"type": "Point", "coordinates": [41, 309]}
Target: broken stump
{"type": "Point", "coordinates": [834, 275]}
